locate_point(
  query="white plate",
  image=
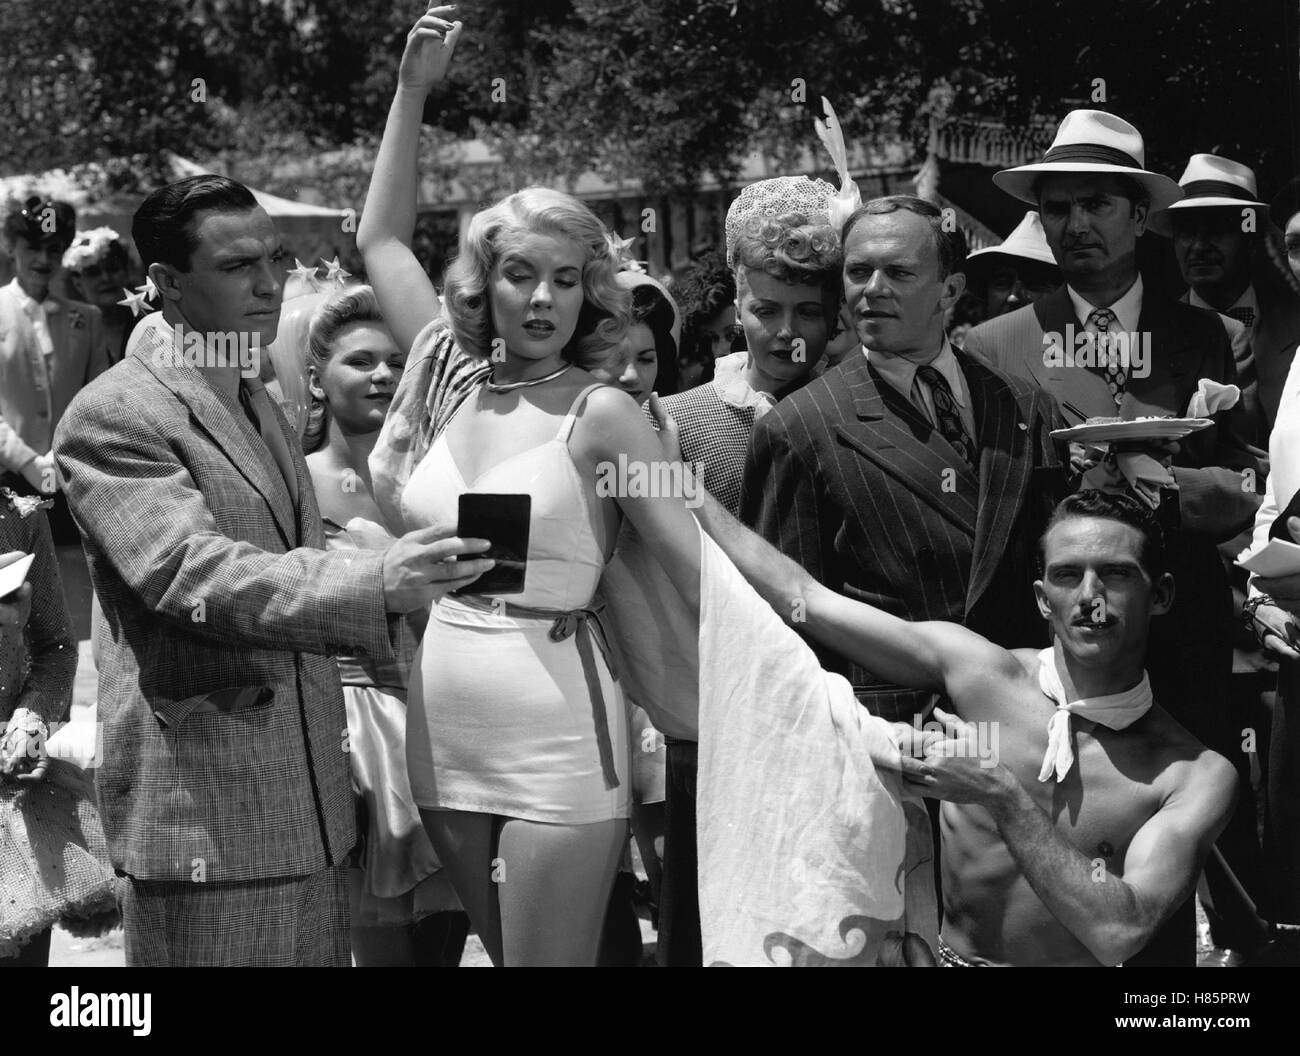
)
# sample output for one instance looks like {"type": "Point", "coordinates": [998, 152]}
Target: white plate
{"type": "Point", "coordinates": [1137, 429]}
{"type": "Point", "coordinates": [1276, 558]}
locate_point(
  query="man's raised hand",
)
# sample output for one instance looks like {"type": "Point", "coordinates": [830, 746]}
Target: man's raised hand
{"type": "Point", "coordinates": [421, 567]}
{"type": "Point", "coordinates": [429, 48]}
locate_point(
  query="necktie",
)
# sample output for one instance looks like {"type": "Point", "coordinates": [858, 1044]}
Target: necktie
{"type": "Point", "coordinates": [947, 415]}
{"type": "Point", "coordinates": [1243, 315]}
{"type": "Point", "coordinates": [1112, 369]}
{"type": "Point", "coordinates": [257, 406]}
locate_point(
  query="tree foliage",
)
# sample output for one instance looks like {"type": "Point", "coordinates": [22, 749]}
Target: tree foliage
{"type": "Point", "coordinates": [657, 90]}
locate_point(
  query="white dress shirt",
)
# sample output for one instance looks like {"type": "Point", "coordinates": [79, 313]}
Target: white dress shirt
{"type": "Point", "coordinates": [900, 373]}
{"type": "Point", "coordinates": [1127, 309]}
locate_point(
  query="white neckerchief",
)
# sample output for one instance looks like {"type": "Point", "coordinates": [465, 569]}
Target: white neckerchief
{"type": "Point", "coordinates": [1116, 711]}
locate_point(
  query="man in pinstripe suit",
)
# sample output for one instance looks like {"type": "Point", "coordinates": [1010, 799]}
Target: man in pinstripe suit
{"type": "Point", "coordinates": [224, 790]}
{"type": "Point", "coordinates": [910, 476]}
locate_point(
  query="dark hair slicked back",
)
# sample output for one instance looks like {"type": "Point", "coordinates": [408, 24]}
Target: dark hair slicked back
{"type": "Point", "coordinates": [163, 227]}
{"type": "Point", "coordinates": [1113, 506]}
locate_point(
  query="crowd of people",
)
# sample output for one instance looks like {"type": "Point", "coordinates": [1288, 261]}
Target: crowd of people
{"type": "Point", "coordinates": [929, 643]}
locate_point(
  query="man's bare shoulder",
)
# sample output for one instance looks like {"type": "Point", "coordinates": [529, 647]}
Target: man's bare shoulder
{"type": "Point", "coordinates": [1028, 659]}
{"type": "Point", "coordinates": [1191, 774]}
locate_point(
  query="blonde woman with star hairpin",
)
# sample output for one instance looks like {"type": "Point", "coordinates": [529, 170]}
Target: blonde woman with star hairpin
{"type": "Point", "coordinates": [517, 737]}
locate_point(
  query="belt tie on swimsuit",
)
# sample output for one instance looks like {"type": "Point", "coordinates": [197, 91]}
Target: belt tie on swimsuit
{"type": "Point", "coordinates": [582, 625]}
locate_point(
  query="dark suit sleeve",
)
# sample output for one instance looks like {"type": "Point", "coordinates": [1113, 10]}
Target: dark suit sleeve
{"type": "Point", "coordinates": [779, 495]}
{"type": "Point", "coordinates": [138, 503]}
{"type": "Point", "coordinates": [1216, 496]}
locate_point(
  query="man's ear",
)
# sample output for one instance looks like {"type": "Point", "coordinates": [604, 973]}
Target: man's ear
{"type": "Point", "coordinates": [953, 287]}
{"type": "Point", "coordinates": [165, 278]}
{"type": "Point", "coordinates": [1040, 598]}
{"type": "Point", "coordinates": [1140, 212]}
{"type": "Point", "coordinates": [1162, 594]}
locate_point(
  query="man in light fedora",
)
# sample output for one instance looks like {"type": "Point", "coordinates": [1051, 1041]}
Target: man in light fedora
{"type": "Point", "coordinates": [1216, 229]}
{"type": "Point", "coordinates": [1094, 195]}
{"type": "Point", "coordinates": [1018, 272]}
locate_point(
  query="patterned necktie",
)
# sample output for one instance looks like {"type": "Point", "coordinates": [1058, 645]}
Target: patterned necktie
{"type": "Point", "coordinates": [1243, 315]}
{"type": "Point", "coordinates": [1112, 369]}
{"type": "Point", "coordinates": [949, 417]}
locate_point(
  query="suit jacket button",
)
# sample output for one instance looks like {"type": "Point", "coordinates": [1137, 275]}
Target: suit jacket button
{"type": "Point", "coordinates": [1023, 426]}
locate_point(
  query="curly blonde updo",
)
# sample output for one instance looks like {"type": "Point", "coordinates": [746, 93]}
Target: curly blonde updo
{"type": "Point", "coordinates": [795, 247]}
{"type": "Point", "coordinates": [605, 312]}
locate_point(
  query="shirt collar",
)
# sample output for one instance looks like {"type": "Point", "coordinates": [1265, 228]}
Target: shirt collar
{"type": "Point", "coordinates": [29, 304]}
{"type": "Point", "coordinates": [901, 372]}
{"type": "Point", "coordinates": [1246, 300]}
{"type": "Point", "coordinates": [733, 387]}
{"type": "Point", "coordinates": [1127, 309]}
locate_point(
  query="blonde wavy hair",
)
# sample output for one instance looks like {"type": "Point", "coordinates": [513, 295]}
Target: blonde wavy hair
{"type": "Point", "coordinates": [606, 308]}
{"type": "Point", "coordinates": [795, 247]}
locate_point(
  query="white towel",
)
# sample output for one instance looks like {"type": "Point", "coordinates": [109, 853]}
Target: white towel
{"type": "Point", "coordinates": [806, 850]}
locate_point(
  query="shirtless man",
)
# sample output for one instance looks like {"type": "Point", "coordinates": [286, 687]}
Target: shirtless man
{"type": "Point", "coordinates": [1035, 871]}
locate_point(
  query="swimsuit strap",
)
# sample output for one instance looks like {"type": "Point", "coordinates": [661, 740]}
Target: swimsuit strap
{"type": "Point", "coordinates": [566, 427]}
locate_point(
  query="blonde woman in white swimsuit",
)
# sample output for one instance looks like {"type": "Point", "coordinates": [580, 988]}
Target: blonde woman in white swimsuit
{"type": "Point", "coordinates": [517, 733]}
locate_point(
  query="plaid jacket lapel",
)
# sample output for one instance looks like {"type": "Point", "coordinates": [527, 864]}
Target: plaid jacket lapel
{"type": "Point", "coordinates": [228, 427]}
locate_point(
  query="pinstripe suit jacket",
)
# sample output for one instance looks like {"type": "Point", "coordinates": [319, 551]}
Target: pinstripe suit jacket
{"type": "Point", "coordinates": [848, 478]}
{"type": "Point", "coordinates": [223, 721]}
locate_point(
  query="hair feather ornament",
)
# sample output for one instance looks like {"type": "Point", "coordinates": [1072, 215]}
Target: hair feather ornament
{"type": "Point", "coordinates": [848, 198]}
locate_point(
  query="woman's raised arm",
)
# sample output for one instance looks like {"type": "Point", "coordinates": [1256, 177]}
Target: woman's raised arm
{"type": "Point", "coordinates": [406, 294]}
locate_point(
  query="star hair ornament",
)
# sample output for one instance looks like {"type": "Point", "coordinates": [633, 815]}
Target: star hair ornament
{"type": "Point", "coordinates": [137, 301]}
{"type": "Point", "coordinates": [621, 250]}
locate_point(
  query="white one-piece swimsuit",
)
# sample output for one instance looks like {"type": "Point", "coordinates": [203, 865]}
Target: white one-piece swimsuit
{"type": "Point", "coordinates": [504, 716]}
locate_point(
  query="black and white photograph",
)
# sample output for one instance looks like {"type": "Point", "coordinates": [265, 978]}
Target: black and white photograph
{"type": "Point", "coordinates": [650, 483]}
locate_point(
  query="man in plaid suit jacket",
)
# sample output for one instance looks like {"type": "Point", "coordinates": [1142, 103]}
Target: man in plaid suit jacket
{"type": "Point", "coordinates": [224, 790]}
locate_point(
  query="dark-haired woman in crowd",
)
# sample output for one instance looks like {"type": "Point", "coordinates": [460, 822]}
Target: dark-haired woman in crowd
{"type": "Point", "coordinates": [517, 733]}
{"type": "Point", "coordinates": [706, 293]}
{"type": "Point", "coordinates": [404, 911]}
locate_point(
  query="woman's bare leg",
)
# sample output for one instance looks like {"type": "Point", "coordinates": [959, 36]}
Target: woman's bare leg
{"type": "Point", "coordinates": [553, 889]}
{"type": "Point", "coordinates": [466, 845]}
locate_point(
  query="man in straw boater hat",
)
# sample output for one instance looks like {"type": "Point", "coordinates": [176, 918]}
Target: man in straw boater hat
{"type": "Point", "coordinates": [1018, 272]}
{"type": "Point", "coordinates": [1217, 230]}
{"type": "Point", "coordinates": [1105, 347]}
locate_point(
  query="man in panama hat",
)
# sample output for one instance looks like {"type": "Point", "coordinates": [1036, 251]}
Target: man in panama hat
{"type": "Point", "coordinates": [1095, 197]}
{"type": "Point", "coordinates": [1018, 272]}
{"type": "Point", "coordinates": [1216, 230]}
